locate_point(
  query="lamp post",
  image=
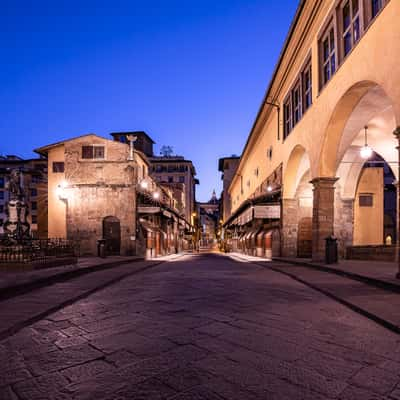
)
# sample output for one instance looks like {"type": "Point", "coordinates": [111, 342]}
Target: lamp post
{"type": "Point", "coordinates": [396, 133]}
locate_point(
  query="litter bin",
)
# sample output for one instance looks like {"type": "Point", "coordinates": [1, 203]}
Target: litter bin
{"type": "Point", "coordinates": [331, 250]}
{"type": "Point", "coordinates": [101, 248]}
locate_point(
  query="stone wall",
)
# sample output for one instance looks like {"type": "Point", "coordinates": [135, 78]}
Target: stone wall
{"type": "Point", "coordinates": [87, 209]}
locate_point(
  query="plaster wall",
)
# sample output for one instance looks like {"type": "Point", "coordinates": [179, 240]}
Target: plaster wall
{"type": "Point", "coordinates": [57, 210]}
{"type": "Point", "coordinates": [368, 221]}
{"type": "Point", "coordinates": [320, 130]}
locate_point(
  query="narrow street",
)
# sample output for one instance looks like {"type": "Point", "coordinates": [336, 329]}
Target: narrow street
{"type": "Point", "coordinates": [203, 326]}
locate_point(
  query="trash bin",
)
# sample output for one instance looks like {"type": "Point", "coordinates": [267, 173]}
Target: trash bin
{"type": "Point", "coordinates": [101, 248]}
{"type": "Point", "coordinates": [331, 250]}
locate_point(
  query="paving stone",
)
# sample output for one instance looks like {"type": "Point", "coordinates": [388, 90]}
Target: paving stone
{"type": "Point", "coordinates": [8, 377]}
{"type": "Point", "coordinates": [60, 359]}
{"type": "Point", "coordinates": [207, 328]}
{"type": "Point", "coordinates": [87, 371]}
{"type": "Point", "coordinates": [356, 393]}
{"type": "Point", "coordinates": [6, 393]}
{"type": "Point", "coordinates": [376, 379]}
{"type": "Point", "coordinates": [51, 386]}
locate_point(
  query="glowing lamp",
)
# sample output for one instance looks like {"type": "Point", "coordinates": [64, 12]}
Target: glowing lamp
{"type": "Point", "coordinates": [366, 151]}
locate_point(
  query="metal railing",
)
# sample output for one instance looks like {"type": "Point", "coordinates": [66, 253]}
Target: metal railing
{"type": "Point", "coordinates": [39, 251]}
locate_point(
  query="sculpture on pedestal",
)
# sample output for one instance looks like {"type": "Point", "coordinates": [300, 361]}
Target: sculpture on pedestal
{"type": "Point", "coordinates": [16, 227]}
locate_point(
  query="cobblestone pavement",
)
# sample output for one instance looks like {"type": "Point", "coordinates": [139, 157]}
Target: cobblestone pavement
{"type": "Point", "coordinates": [202, 327]}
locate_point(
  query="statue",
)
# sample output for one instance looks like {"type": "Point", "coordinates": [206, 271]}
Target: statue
{"type": "Point", "coordinates": [16, 227]}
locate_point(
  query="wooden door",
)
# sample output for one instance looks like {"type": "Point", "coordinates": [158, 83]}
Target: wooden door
{"type": "Point", "coordinates": [112, 235]}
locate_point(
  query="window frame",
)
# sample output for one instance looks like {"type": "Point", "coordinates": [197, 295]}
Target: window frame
{"type": "Point", "coordinates": [307, 91]}
{"type": "Point", "coordinates": [93, 148]}
{"type": "Point", "coordinates": [287, 116]}
{"type": "Point", "coordinates": [58, 167]}
{"type": "Point", "coordinates": [329, 31]}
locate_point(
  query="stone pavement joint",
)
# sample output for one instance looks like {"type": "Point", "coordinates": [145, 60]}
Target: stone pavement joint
{"type": "Point", "coordinates": [202, 327]}
{"type": "Point", "coordinates": [28, 281]}
{"type": "Point", "coordinates": [26, 321]}
{"type": "Point", "coordinates": [389, 321]}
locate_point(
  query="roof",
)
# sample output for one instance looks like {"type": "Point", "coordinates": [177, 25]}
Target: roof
{"type": "Point", "coordinates": [135, 133]}
{"type": "Point", "coordinates": [45, 149]}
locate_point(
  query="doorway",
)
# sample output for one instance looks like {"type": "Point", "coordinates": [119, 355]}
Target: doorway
{"type": "Point", "coordinates": [112, 235]}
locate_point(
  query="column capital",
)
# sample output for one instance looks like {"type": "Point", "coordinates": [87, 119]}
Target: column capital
{"type": "Point", "coordinates": [324, 181]}
{"type": "Point", "coordinates": [396, 132]}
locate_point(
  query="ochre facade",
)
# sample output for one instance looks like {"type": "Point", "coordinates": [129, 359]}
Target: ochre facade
{"type": "Point", "coordinates": [328, 86]}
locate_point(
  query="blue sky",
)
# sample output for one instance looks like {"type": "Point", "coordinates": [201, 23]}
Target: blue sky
{"type": "Point", "coordinates": [192, 74]}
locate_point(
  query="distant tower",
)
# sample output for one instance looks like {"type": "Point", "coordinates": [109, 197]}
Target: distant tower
{"type": "Point", "coordinates": [214, 199]}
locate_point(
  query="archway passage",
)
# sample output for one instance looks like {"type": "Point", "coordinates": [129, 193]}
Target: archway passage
{"type": "Point", "coordinates": [304, 238]}
{"type": "Point", "coordinates": [112, 235]}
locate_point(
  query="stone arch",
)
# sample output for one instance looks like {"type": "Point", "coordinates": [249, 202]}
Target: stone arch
{"type": "Point", "coordinates": [367, 98]}
{"type": "Point", "coordinates": [297, 165]}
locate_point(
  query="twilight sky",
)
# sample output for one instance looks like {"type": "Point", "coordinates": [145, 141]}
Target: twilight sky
{"type": "Point", "coordinates": [191, 74]}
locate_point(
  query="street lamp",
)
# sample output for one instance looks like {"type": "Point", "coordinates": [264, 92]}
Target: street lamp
{"type": "Point", "coordinates": [366, 151]}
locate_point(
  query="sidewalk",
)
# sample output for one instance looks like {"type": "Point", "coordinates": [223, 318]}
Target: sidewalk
{"type": "Point", "coordinates": [377, 273]}
{"type": "Point", "coordinates": [13, 283]}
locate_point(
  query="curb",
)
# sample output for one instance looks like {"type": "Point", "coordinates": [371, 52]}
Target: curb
{"type": "Point", "coordinates": [19, 289]}
{"type": "Point", "coordinates": [380, 284]}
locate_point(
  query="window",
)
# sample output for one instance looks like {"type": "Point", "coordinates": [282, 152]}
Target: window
{"type": "Point", "coordinates": [34, 219]}
{"type": "Point", "coordinates": [58, 167]}
{"type": "Point", "coordinates": [376, 6]}
{"type": "Point", "coordinates": [33, 192]}
{"type": "Point", "coordinates": [287, 115]}
{"type": "Point", "coordinates": [170, 179]}
{"type": "Point", "coordinates": [328, 55]}
{"type": "Point", "coordinates": [181, 179]}
{"type": "Point", "coordinates": [296, 99]}
{"type": "Point", "coordinates": [366, 200]}
{"type": "Point", "coordinates": [1, 208]}
{"type": "Point", "coordinates": [307, 87]}
{"type": "Point", "coordinates": [92, 152]}
{"type": "Point", "coordinates": [1, 182]}
{"type": "Point", "coordinates": [1, 195]}
{"type": "Point", "coordinates": [33, 205]}
{"type": "Point", "coordinates": [350, 25]}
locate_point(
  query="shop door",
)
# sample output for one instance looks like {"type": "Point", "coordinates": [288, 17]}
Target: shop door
{"type": "Point", "coordinates": [304, 238]}
{"type": "Point", "coordinates": [112, 234]}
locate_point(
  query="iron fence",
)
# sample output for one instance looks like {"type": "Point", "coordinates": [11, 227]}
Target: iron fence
{"type": "Point", "coordinates": [39, 251]}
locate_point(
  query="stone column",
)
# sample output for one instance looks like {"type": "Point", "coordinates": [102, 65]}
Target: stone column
{"type": "Point", "coordinates": [289, 227]}
{"type": "Point", "coordinates": [323, 215]}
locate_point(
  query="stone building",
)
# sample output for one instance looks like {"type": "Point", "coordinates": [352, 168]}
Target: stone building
{"type": "Point", "coordinates": [320, 154]}
{"type": "Point", "coordinates": [209, 215]}
{"type": "Point", "coordinates": [34, 183]}
{"type": "Point", "coordinates": [93, 193]}
{"type": "Point", "coordinates": [227, 166]}
{"type": "Point", "coordinates": [167, 169]}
